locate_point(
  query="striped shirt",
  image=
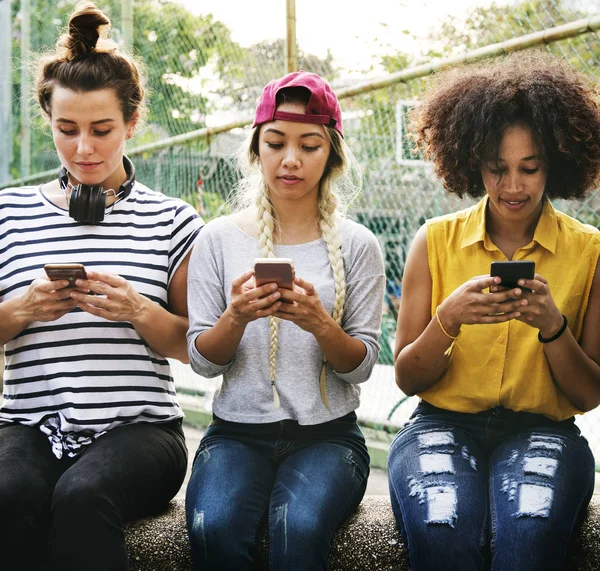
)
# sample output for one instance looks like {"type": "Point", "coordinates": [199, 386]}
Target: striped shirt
{"type": "Point", "coordinates": [82, 375]}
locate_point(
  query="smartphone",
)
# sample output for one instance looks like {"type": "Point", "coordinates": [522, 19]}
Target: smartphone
{"type": "Point", "coordinates": [274, 270]}
{"type": "Point", "coordinates": [69, 272]}
{"type": "Point", "coordinates": [513, 270]}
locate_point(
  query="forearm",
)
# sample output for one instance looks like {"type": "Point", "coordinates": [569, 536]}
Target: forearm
{"type": "Point", "coordinates": [343, 352]}
{"type": "Point", "coordinates": [421, 364]}
{"type": "Point", "coordinates": [163, 331]}
{"type": "Point", "coordinates": [574, 372]}
{"type": "Point", "coordinates": [220, 343]}
{"type": "Point", "coordinates": [13, 319]}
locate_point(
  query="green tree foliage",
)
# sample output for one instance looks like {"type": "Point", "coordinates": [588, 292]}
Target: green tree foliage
{"type": "Point", "coordinates": [193, 67]}
{"type": "Point", "coordinates": [244, 77]}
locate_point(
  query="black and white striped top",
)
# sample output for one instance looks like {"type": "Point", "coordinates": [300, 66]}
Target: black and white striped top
{"type": "Point", "coordinates": [81, 375]}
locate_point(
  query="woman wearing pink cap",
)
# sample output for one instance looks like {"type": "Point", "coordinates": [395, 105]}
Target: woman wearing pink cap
{"type": "Point", "coordinates": [284, 447]}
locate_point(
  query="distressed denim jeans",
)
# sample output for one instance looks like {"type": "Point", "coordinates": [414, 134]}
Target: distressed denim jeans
{"type": "Point", "coordinates": [300, 481]}
{"type": "Point", "coordinates": [497, 490]}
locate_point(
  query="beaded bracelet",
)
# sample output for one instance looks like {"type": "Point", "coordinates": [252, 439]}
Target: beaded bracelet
{"type": "Point", "coordinates": [557, 334]}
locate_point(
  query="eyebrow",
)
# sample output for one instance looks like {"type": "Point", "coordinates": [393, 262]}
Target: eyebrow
{"type": "Point", "coordinates": [100, 121]}
{"type": "Point", "coordinates": [530, 158]}
{"type": "Point", "coordinates": [303, 136]}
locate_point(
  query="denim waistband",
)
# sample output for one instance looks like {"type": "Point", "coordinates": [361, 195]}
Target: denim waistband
{"type": "Point", "coordinates": [510, 418]}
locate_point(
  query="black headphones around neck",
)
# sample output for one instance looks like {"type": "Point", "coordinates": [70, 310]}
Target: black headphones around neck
{"type": "Point", "coordinates": [87, 204]}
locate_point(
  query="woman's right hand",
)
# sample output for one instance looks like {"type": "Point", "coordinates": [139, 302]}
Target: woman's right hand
{"type": "Point", "coordinates": [248, 302]}
{"type": "Point", "coordinates": [46, 300]}
{"type": "Point", "coordinates": [468, 304]}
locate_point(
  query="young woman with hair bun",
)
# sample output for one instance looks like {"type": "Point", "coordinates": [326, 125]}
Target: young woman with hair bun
{"type": "Point", "coordinates": [284, 444]}
{"type": "Point", "coordinates": [90, 429]}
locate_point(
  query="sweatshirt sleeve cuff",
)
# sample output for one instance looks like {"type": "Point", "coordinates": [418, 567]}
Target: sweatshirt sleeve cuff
{"type": "Point", "coordinates": [202, 365]}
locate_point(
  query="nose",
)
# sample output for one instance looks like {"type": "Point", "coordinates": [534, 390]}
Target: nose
{"type": "Point", "coordinates": [84, 145]}
{"type": "Point", "coordinates": [291, 158]}
{"type": "Point", "coordinates": [512, 182]}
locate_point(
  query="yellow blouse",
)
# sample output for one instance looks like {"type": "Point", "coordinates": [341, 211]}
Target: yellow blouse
{"type": "Point", "coordinates": [504, 364]}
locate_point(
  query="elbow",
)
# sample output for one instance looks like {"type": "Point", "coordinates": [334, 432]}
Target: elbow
{"type": "Point", "coordinates": [587, 404]}
{"type": "Point", "coordinates": [409, 389]}
{"type": "Point", "coordinates": [403, 381]}
{"type": "Point", "coordinates": [180, 355]}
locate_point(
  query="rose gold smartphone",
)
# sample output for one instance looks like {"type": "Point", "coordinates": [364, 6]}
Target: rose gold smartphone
{"type": "Point", "coordinates": [274, 270]}
{"type": "Point", "coordinates": [69, 272]}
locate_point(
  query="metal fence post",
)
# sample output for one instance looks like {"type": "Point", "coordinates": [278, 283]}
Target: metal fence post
{"type": "Point", "coordinates": [127, 24]}
{"type": "Point", "coordinates": [25, 88]}
{"type": "Point", "coordinates": [5, 90]}
{"type": "Point", "coordinates": [291, 45]}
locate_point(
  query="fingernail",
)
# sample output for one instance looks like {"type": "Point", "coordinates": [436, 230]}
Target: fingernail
{"type": "Point", "coordinates": [276, 295]}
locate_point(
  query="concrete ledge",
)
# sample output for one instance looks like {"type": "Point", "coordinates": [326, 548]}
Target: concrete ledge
{"type": "Point", "coordinates": [368, 540]}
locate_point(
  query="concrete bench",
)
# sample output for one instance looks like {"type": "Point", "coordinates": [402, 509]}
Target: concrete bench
{"type": "Point", "coordinates": [367, 541]}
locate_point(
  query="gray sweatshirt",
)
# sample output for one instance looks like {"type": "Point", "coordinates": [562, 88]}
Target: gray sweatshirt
{"type": "Point", "coordinates": [221, 253]}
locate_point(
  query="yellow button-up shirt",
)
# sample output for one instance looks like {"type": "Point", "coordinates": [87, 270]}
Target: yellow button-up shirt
{"type": "Point", "coordinates": [504, 364]}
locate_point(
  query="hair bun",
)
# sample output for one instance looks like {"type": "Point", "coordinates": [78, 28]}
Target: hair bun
{"type": "Point", "coordinates": [86, 26]}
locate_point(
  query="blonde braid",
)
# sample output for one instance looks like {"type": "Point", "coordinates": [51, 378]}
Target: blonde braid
{"type": "Point", "coordinates": [327, 210]}
{"type": "Point", "coordinates": [266, 230]}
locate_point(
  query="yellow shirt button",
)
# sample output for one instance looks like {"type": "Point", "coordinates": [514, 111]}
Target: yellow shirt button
{"type": "Point", "coordinates": [500, 338]}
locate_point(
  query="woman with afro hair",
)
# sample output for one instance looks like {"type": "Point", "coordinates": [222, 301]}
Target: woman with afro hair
{"type": "Point", "coordinates": [491, 471]}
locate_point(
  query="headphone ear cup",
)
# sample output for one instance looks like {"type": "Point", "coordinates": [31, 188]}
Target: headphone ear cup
{"type": "Point", "coordinates": [87, 204]}
{"type": "Point", "coordinates": [97, 204]}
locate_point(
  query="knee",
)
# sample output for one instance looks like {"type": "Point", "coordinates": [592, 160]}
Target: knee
{"type": "Point", "coordinates": [22, 493]}
{"type": "Point", "coordinates": [303, 528]}
{"type": "Point", "coordinates": [77, 495]}
{"type": "Point", "coordinates": [215, 527]}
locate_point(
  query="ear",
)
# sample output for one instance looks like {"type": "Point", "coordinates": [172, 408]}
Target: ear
{"type": "Point", "coordinates": [132, 125]}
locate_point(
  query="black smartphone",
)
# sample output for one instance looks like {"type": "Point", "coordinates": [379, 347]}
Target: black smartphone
{"type": "Point", "coordinates": [69, 272]}
{"type": "Point", "coordinates": [513, 270]}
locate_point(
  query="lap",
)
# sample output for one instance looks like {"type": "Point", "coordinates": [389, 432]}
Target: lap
{"type": "Point", "coordinates": [139, 466]}
{"type": "Point", "coordinates": [231, 481]}
{"type": "Point", "coordinates": [322, 481]}
{"type": "Point", "coordinates": [510, 478]}
{"type": "Point", "coordinates": [541, 482]}
{"type": "Point", "coordinates": [28, 464]}
{"type": "Point", "coordinates": [438, 483]}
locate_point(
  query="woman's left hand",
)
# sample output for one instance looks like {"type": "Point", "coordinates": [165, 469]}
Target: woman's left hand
{"type": "Point", "coordinates": [539, 311]}
{"type": "Point", "coordinates": [110, 296]}
{"type": "Point", "coordinates": [304, 308]}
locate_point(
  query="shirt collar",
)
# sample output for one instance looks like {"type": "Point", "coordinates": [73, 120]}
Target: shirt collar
{"type": "Point", "coordinates": [546, 232]}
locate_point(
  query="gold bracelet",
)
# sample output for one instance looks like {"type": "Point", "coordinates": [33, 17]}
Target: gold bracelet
{"type": "Point", "coordinates": [437, 316]}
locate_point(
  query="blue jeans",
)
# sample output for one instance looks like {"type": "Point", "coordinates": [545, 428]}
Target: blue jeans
{"type": "Point", "coordinates": [301, 481]}
{"type": "Point", "coordinates": [500, 489]}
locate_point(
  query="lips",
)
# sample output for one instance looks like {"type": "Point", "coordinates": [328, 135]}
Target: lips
{"type": "Point", "coordinates": [87, 166]}
{"type": "Point", "coordinates": [290, 179]}
{"type": "Point", "coordinates": [514, 204]}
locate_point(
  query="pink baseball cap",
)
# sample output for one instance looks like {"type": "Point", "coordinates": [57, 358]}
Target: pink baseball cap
{"type": "Point", "coordinates": [323, 106]}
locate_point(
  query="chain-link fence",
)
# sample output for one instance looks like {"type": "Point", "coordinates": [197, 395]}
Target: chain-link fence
{"type": "Point", "coordinates": [203, 86]}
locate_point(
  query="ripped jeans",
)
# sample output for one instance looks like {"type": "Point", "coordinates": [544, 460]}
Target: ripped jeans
{"type": "Point", "coordinates": [301, 481]}
{"type": "Point", "coordinates": [497, 490]}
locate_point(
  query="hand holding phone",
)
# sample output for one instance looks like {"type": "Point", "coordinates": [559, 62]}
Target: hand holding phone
{"type": "Point", "coordinates": [70, 272]}
{"type": "Point", "coordinates": [274, 270]}
{"type": "Point", "coordinates": [511, 271]}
